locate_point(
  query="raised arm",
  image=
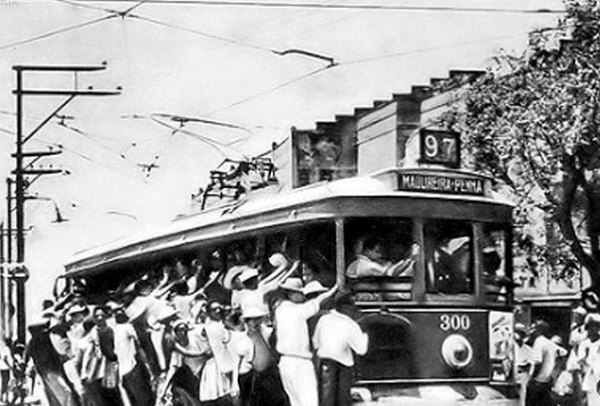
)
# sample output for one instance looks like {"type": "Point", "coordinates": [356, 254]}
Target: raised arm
{"type": "Point", "coordinates": [273, 284]}
{"type": "Point", "coordinates": [325, 295]}
{"type": "Point", "coordinates": [281, 262]}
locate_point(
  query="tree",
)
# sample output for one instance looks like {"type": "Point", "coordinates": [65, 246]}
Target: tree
{"type": "Point", "coordinates": [536, 130]}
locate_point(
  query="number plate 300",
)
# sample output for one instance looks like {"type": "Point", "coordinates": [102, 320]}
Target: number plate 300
{"type": "Point", "coordinates": [455, 322]}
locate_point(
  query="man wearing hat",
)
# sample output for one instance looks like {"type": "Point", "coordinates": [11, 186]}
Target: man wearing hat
{"type": "Point", "coordinates": [189, 356]}
{"type": "Point", "coordinates": [253, 290]}
{"type": "Point", "coordinates": [293, 342]}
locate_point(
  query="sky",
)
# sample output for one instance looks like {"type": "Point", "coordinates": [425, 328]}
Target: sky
{"type": "Point", "coordinates": [218, 61]}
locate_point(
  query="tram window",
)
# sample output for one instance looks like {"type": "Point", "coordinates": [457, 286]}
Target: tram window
{"type": "Point", "coordinates": [312, 244]}
{"type": "Point", "coordinates": [493, 256]}
{"type": "Point", "coordinates": [448, 257]}
{"type": "Point", "coordinates": [380, 247]}
{"type": "Point", "coordinates": [316, 248]}
{"type": "Point", "coordinates": [242, 252]}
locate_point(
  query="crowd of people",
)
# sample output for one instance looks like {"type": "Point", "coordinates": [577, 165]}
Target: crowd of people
{"type": "Point", "coordinates": [280, 339]}
{"type": "Point", "coordinates": [552, 373]}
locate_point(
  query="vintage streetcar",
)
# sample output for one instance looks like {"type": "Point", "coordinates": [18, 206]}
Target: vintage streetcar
{"type": "Point", "coordinates": [440, 322]}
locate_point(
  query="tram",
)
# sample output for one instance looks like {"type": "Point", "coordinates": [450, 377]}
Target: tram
{"type": "Point", "coordinates": [440, 329]}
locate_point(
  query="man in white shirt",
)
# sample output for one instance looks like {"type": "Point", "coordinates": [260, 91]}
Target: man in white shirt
{"type": "Point", "coordinates": [135, 376]}
{"type": "Point", "coordinates": [336, 339]}
{"type": "Point", "coordinates": [293, 343]}
{"type": "Point", "coordinates": [544, 357]}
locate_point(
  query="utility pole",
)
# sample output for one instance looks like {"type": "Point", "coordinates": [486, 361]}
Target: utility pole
{"type": "Point", "coordinates": [22, 170]}
{"type": "Point", "coordinates": [6, 283]}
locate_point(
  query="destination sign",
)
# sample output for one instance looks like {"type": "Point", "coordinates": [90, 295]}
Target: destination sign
{"type": "Point", "coordinates": [415, 182]}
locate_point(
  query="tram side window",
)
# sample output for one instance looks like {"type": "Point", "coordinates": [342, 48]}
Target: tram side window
{"type": "Point", "coordinates": [316, 248]}
{"type": "Point", "coordinates": [494, 262]}
{"type": "Point", "coordinates": [313, 245]}
{"type": "Point", "coordinates": [380, 247]}
{"type": "Point", "coordinates": [448, 256]}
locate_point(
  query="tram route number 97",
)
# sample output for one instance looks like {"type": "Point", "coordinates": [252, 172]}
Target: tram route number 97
{"type": "Point", "coordinates": [455, 322]}
{"type": "Point", "coordinates": [440, 147]}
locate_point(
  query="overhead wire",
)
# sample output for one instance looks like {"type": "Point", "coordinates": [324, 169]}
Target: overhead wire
{"type": "Point", "coordinates": [312, 73]}
{"type": "Point", "coordinates": [343, 6]}
{"type": "Point", "coordinates": [218, 146]}
{"type": "Point", "coordinates": [127, 13]}
{"type": "Point", "coordinates": [200, 33]}
{"type": "Point", "coordinates": [56, 32]}
{"type": "Point", "coordinates": [270, 90]}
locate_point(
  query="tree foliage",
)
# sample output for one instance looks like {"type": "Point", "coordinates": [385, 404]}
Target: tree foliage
{"type": "Point", "coordinates": [536, 130]}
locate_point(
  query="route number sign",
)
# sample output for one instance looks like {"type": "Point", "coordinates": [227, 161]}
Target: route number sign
{"type": "Point", "coordinates": [440, 147]}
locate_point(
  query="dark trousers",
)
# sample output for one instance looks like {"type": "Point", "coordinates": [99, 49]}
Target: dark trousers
{"type": "Point", "coordinates": [262, 388]}
{"type": "Point", "coordinates": [538, 394]}
{"type": "Point", "coordinates": [335, 382]}
{"type": "Point", "coordinates": [138, 388]}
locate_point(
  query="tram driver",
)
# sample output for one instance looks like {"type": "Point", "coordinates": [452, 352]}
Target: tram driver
{"type": "Point", "coordinates": [372, 261]}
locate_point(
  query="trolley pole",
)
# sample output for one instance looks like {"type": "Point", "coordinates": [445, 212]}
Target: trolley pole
{"type": "Point", "coordinates": [21, 170]}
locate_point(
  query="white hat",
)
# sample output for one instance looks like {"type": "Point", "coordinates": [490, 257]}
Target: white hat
{"type": "Point", "coordinates": [76, 309]}
{"type": "Point", "coordinates": [248, 274]}
{"type": "Point", "coordinates": [293, 284]}
{"type": "Point", "coordinates": [232, 273]}
{"type": "Point", "coordinates": [278, 259]}
{"type": "Point", "coordinates": [313, 287]}
{"type": "Point", "coordinates": [252, 312]}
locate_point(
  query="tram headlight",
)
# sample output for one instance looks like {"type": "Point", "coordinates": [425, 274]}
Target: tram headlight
{"type": "Point", "coordinates": [457, 351]}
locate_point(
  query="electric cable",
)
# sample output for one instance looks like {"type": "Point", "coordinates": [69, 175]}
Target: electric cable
{"type": "Point", "coordinates": [221, 148]}
{"type": "Point", "coordinates": [201, 33]}
{"type": "Point", "coordinates": [56, 32]}
{"type": "Point", "coordinates": [363, 6]}
{"type": "Point", "coordinates": [270, 90]}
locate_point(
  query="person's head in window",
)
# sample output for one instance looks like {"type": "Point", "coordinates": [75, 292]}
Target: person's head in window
{"type": "Point", "coordinates": [373, 248]}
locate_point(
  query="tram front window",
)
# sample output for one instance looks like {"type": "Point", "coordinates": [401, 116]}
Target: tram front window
{"type": "Point", "coordinates": [448, 256]}
{"type": "Point", "coordinates": [496, 281]}
{"type": "Point", "coordinates": [380, 247]}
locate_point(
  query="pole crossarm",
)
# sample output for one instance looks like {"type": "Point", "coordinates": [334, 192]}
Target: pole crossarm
{"type": "Point", "coordinates": [49, 92]}
{"type": "Point", "coordinates": [32, 154]}
{"type": "Point", "coordinates": [39, 171]}
{"type": "Point", "coordinates": [60, 68]}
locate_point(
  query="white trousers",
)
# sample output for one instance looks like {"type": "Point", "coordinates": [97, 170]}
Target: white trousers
{"type": "Point", "coordinates": [299, 380]}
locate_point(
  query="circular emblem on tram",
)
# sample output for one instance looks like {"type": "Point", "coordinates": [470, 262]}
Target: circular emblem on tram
{"type": "Point", "coordinates": [457, 351]}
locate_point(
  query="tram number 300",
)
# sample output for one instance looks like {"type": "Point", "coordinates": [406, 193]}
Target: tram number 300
{"type": "Point", "coordinates": [454, 322]}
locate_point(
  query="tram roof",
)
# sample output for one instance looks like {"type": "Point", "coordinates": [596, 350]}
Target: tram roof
{"type": "Point", "coordinates": [269, 210]}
